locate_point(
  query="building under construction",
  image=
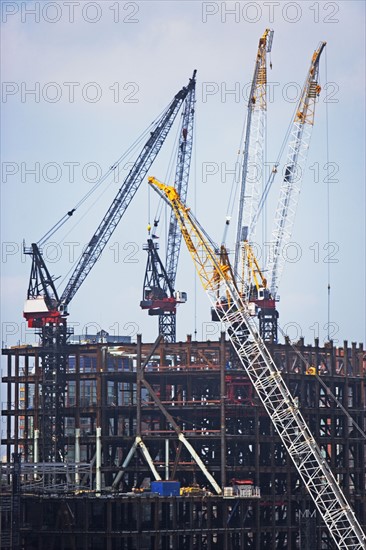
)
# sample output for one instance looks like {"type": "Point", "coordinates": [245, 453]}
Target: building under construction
{"type": "Point", "coordinates": [182, 412]}
{"type": "Point", "coordinates": [235, 444]}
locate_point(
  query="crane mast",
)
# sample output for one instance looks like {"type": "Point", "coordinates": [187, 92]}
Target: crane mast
{"type": "Point", "coordinates": [294, 172]}
{"type": "Point", "coordinates": [253, 145]}
{"type": "Point", "coordinates": [217, 279]}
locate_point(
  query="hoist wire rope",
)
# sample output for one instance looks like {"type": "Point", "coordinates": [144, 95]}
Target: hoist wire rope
{"type": "Point", "coordinates": [91, 191]}
{"type": "Point", "coordinates": [80, 219]}
{"type": "Point", "coordinates": [271, 177]}
{"type": "Point", "coordinates": [195, 278]}
{"type": "Point", "coordinates": [263, 179]}
{"type": "Point", "coordinates": [168, 178]}
{"type": "Point", "coordinates": [269, 182]}
{"type": "Point", "coordinates": [236, 176]}
{"type": "Point", "coordinates": [130, 151]}
{"type": "Point", "coordinates": [328, 192]}
{"type": "Point", "coordinates": [277, 162]}
{"type": "Point", "coordinates": [111, 170]}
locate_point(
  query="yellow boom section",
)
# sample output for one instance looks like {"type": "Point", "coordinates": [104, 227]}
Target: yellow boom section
{"type": "Point", "coordinates": [211, 273]}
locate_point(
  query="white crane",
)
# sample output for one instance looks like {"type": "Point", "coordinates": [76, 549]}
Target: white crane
{"type": "Point", "coordinates": [294, 172]}
{"type": "Point", "coordinates": [253, 144]}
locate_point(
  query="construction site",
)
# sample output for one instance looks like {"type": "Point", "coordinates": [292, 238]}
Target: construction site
{"type": "Point", "coordinates": [200, 389]}
{"type": "Point", "coordinates": [248, 441]}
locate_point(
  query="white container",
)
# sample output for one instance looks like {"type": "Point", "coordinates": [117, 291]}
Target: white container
{"type": "Point", "coordinates": [228, 492]}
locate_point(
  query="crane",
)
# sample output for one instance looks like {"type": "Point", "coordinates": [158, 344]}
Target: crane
{"type": "Point", "coordinates": [253, 164]}
{"type": "Point", "coordinates": [47, 312]}
{"type": "Point", "coordinates": [165, 301]}
{"type": "Point", "coordinates": [156, 299]}
{"type": "Point", "coordinates": [289, 193]}
{"type": "Point", "coordinates": [253, 144]}
{"type": "Point", "coordinates": [217, 280]}
{"type": "Point", "coordinates": [255, 290]}
{"type": "Point", "coordinates": [248, 212]}
{"type": "Point", "coordinates": [294, 171]}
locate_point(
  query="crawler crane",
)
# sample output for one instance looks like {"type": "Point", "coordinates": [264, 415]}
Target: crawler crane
{"type": "Point", "coordinates": [217, 280]}
{"type": "Point", "coordinates": [294, 172]}
{"type": "Point", "coordinates": [289, 193]}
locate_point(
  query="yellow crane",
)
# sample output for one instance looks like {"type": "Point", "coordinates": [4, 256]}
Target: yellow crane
{"type": "Point", "coordinates": [216, 277]}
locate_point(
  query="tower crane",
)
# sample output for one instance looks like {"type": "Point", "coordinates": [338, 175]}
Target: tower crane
{"type": "Point", "coordinates": [47, 312]}
{"type": "Point", "coordinates": [217, 279]}
{"type": "Point", "coordinates": [156, 299]}
{"type": "Point", "coordinates": [163, 299]}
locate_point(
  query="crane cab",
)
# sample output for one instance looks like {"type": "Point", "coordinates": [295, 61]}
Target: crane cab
{"type": "Point", "coordinates": [36, 305]}
{"type": "Point", "coordinates": [260, 293]}
{"type": "Point", "coordinates": [252, 309]}
{"type": "Point", "coordinates": [63, 309]}
{"type": "Point", "coordinates": [37, 313]}
{"type": "Point", "coordinates": [180, 296]}
{"type": "Point", "coordinates": [263, 293]}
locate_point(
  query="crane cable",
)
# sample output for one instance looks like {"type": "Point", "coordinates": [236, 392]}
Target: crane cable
{"type": "Point", "coordinates": [97, 199]}
{"type": "Point", "coordinates": [114, 166]}
{"type": "Point", "coordinates": [235, 183]}
{"type": "Point", "coordinates": [328, 190]}
{"type": "Point", "coordinates": [130, 152]}
{"type": "Point", "coordinates": [274, 170]}
{"type": "Point", "coordinates": [168, 177]}
{"type": "Point", "coordinates": [271, 177]}
{"type": "Point", "coordinates": [67, 216]}
{"type": "Point", "coordinates": [195, 209]}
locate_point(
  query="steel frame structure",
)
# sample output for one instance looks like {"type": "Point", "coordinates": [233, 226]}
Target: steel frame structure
{"type": "Point", "coordinates": [203, 387]}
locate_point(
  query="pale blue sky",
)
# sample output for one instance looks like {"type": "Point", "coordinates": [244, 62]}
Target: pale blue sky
{"type": "Point", "coordinates": [148, 54]}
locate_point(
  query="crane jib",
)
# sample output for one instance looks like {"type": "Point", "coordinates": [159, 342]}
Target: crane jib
{"type": "Point", "coordinates": [124, 196]}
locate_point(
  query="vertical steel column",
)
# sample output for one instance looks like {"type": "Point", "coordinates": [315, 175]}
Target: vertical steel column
{"type": "Point", "coordinates": [222, 408]}
{"type": "Point", "coordinates": [25, 385]}
{"type": "Point", "coordinates": [16, 405]}
{"type": "Point", "coordinates": [8, 418]}
{"type": "Point", "coordinates": [36, 452]}
{"type": "Point", "coordinates": [98, 465]}
{"type": "Point", "coordinates": [167, 459]}
{"type": "Point", "coordinates": [138, 386]}
{"type": "Point", "coordinates": [77, 455]}
{"type": "Point", "coordinates": [15, 505]}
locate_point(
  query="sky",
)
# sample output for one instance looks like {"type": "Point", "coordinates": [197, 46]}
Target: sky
{"type": "Point", "coordinates": [82, 80]}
